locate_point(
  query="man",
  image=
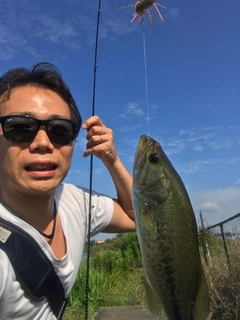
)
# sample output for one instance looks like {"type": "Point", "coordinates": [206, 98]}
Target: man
{"type": "Point", "coordinates": [39, 122]}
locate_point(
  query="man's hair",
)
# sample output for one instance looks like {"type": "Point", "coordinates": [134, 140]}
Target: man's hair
{"type": "Point", "coordinates": [44, 75]}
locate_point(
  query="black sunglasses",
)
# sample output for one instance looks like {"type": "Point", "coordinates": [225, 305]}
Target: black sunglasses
{"type": "Point", "coordinates": [21, 129]}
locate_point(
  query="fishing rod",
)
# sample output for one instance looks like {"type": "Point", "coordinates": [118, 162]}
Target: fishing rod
{"type": "Point", "coordinates": [146, 82]}
{"type": "Point", "coordinates": [91, 165]}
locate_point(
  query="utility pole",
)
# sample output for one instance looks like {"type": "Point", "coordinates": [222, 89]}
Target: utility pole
{"type": "Point", "coordinates": [206, 253]}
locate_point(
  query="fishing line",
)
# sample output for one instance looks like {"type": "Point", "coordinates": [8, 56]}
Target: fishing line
{"type": "Point", "coordinates": [146, 81]}
{"type": "Point", "coordinates": [91, 168]}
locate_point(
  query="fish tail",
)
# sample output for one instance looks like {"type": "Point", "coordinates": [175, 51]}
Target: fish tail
{"type": "Point", "coordinates": [153, 303]}
{"type": "Point", "coordinates": [201, 307]}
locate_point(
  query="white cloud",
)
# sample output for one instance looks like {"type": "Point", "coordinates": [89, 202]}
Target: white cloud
{"type": "Point", "coordinates": [174, 146]}
{"type": "Point", "coordinates": [117, 26]}
{"type": "Point", "coordinates": [133, 109]}
{"type": "Point", "coordinates": [210, 206]}
{"type": "Point", "coordinates": [174, 12]}
{"type": "Point", "coordinates": [223, 143]}
{"type": "Point", "coordinates": [202, 139]}
{"type": "Point", "coordinates": [201, 165]}
{"type": "Point", "coordinates": [217, 204]}
{"type": "Point", "coordinates": [22, 28]}
{"type": "Point", "coordinates": [81, 141]}
{"type": "Point", "coordinates": [198, 148]}
{"type": "Point", "coordinates": [98, 172]}
{"type": "Point", "coordinates": [129, 127]}
{"type": "Point", "coordinates": [153, 107]}
{"type": "Point", "coordinates": [52, 29]}
{"type": "Point", "coordinates": [77, 175]}
{"type": "Point", "coordinates": [132, 142]}
{"type": "Point", "coordinates": [29, 23]}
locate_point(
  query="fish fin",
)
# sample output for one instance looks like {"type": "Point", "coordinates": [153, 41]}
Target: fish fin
{"type": "Point", "coordinates": [201, 307]}
{"type": "Point", "coordinates": [148, 220]}
{"type": "Point", "coordinates": [153, 303]}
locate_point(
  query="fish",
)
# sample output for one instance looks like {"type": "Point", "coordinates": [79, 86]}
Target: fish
{"type": "Point", "coordinates": [166, 229]}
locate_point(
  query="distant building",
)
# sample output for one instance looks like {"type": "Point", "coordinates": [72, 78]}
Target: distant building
{"type": "Point", "coordinates": [100, 241]}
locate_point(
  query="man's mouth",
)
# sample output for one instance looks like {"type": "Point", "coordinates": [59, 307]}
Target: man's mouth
{"type": "Point", "coordinates": [39, 167]}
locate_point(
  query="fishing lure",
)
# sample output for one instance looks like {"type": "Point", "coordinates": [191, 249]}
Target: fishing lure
{"type": "Point", "coordinates": [143, 6]}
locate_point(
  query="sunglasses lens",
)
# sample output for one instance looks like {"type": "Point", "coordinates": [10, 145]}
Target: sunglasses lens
{"type": "Point", "coordinates": [61, 131]}
{"type": "Point", "coordinates": [24, 129]}
{"type": "Point", "coordinates": [20, 129]}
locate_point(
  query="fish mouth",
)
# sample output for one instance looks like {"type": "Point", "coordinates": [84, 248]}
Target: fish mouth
{"type": "Point", "coordinates": [145, 145]}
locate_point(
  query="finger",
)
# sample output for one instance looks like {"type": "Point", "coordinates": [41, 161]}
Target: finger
{"type": "Point", "coordinates": [100, 143]}
{"type": "Point", "coordinates": [101, 139]}
{"type": "Point", "coordinates": [92, 121]}
{"type": "Point", "coordinates": [105, 141]}
{"type": "Point", "coordinates": [95, 140]}
{"type": "Point", "coordinates": [95, 131]}
{"type": "Point", "coordinates": [97, 148]}
{"type": "Point", "coordinates": [94, 151]}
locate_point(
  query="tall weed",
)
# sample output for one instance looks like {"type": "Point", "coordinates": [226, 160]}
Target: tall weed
{"type": "Point", "coordinates": [116, 279]}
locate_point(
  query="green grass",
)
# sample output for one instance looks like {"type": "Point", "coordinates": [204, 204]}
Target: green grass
{"type": "Point", "coordinates": [224, 280]}
{"type": "Point", "coordinates": [116, 279]}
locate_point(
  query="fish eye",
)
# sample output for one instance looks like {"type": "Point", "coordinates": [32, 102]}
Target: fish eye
{"type": "Point", "coordinates": [153, 158]}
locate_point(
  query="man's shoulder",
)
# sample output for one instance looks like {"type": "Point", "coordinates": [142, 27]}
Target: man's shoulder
{"type": "Point", "coordinates": [70, 191]}
{"type": "Point", "coordinates": [70, 197]}
{"type": "Point", "coordinates": [69, 187]}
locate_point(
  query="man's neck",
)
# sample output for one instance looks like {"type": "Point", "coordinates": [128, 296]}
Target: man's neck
{"type": "Point", "coordinates": [37, 211]}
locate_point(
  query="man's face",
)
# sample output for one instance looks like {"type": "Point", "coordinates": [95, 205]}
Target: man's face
{"type": "Point", "coordinates": [36, 167]}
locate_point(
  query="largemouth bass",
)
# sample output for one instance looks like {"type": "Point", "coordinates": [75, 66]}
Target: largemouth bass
{"type": "Point", "coordinates": [167, 235]}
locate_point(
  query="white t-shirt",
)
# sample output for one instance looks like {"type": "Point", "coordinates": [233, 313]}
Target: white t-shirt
{"type": "Point", "coordinates": [73, 207]}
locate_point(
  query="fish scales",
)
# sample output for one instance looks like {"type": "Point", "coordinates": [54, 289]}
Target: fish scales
{"type": "Point", "coordinates": [167, 235]}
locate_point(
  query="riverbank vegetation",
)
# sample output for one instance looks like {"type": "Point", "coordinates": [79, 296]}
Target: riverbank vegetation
{"type": "Point", "coordinates": [116, 279]}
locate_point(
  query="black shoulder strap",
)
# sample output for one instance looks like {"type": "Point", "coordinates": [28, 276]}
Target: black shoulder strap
{"type": "Point", "coordinates": [33, 269]}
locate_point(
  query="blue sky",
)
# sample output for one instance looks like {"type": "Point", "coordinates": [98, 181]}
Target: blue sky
{"type": "Point", "coordinates": [193, 84]}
